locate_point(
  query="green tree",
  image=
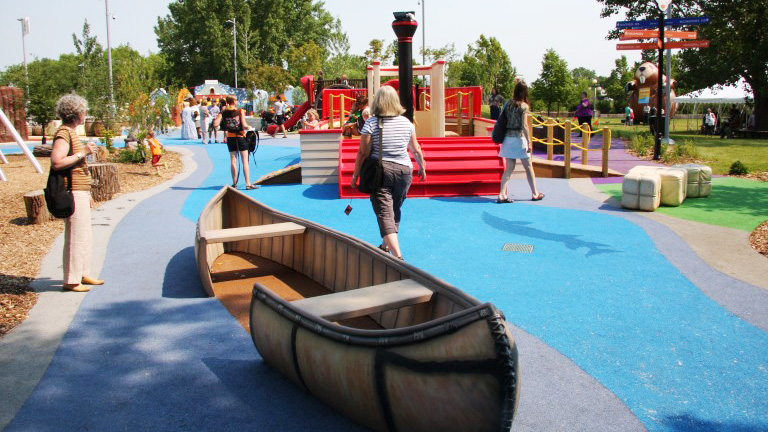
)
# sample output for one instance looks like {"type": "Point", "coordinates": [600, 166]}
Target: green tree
{"type": "Point", "coordinates": [485, 64]}
{"type": "Point", "coordinates": [197, 43]}
{"type": "Point", "coordinates": [304, 60]}
{"type": "Point", "coordinates": [93, 82]}
{"type": "Point", "coordinates": [555, 84]}
{"type": "Point", "coordinates": [264, 76]}
{"type": "Point", "coordinates": [738, 43]}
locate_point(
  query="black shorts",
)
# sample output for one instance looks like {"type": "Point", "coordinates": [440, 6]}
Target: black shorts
{"type": "Point", "coordinates": [236, 144]}
{"type": "Point", "coordinates": [280, 119]}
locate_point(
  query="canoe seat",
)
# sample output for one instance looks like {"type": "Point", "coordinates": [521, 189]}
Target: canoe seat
{"type": "Point", "coordinates": [365, 301]}
{"type": "Point", "coordinates": [252, 232]}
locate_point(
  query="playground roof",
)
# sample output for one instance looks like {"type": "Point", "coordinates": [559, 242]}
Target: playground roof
{"type": "Point", "coordinates": [719, 94]}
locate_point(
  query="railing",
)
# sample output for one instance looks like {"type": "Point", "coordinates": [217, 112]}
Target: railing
{"type": "Point", "coordinates": [568, 126]}
{"type": "Point", "coordinates": [340, 106]}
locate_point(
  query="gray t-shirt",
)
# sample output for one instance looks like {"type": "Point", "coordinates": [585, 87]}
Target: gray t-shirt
{"type": "Point", "coordinates": [396, 135]}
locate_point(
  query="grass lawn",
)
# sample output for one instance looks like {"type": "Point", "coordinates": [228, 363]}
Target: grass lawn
{"type": "Point", "coordinates": [734, 203]}
{"type": "Point", "coordinates": [718, 153]}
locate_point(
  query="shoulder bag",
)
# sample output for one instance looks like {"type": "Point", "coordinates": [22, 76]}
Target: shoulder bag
{"type": "Point", "coordinates": [500, 128]}
{"type": "Point", "coordinates": [58, 190]}
{"type": "Point", "coordinates": [372, 171]}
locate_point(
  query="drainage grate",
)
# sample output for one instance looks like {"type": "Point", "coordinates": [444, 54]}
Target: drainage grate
{"type": "Point", "coordinates": [517, 247]}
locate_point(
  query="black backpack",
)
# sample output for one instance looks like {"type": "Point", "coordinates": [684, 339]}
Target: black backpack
{"type": "Point", "coordinates": [58, 190]}
{"type": "Point", "coordinates": [232, 121]}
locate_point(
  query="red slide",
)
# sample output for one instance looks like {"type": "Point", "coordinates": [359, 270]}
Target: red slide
{"type": "Point", "coordinates": [308, 83]}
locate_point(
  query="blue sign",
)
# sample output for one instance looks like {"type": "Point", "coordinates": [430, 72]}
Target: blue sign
{"type": "Point", "coordinates": [642, 24]}
{"type": "Point", "coordinates": [687, 21]}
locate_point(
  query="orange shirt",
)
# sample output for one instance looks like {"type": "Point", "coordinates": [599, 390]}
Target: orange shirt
{"type": "Point", "coordinates": [81, 176]}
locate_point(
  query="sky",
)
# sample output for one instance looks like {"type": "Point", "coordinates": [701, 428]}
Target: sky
{"type": "Point", "coordinates": [526, 29]}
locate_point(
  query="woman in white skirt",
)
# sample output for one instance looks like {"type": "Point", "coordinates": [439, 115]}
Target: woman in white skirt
{"type": "Point", "coordinates": [517, 143]}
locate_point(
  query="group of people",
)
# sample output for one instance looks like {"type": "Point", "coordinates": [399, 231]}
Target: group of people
{"type": "Point", "coordinates": [197, 119]}
{"type": "Point", "coordinates": [384, 131]}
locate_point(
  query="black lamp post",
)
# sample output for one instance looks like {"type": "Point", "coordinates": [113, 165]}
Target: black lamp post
{"type": "Point", "coordinates": [405, 26]}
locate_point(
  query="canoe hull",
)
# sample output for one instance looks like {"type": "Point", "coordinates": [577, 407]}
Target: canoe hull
{"type": "Point", "coordinates": [455, 374]}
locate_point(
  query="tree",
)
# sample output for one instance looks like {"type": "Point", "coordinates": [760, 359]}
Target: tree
{"type": "Point", "coordinates": [377, 51]}
{"type": "Point", "coordinates": [738, 48]}
{"type": "Point", "coordinates": [196, 41]}
{"type": "Point", "coordinates": [485, 64]}
{"type": "Point", "coordinates": [304, 60]}
{"type": "Point", "coordinates": [93, 82]}
{"type": "Point", "coordinates": [264, 76]}
{"type": "Point", "coordinates": [555, 84]}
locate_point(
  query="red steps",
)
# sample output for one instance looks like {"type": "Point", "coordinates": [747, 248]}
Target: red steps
{"type": "Point", "coordinates": [456, 166]}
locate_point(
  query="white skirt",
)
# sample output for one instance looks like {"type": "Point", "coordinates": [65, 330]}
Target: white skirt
{"type": "Point", "coordinates": [514, 147]}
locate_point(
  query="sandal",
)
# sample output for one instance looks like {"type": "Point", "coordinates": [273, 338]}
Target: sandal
{"type": "Point", "coordinates": [250, 187]}
{"type": "Point", "coordinates": [538, 197]}
{"type": "Point", "coordinates": [504, 201]}
{"type": "Point", "coordinates": [384, 248]}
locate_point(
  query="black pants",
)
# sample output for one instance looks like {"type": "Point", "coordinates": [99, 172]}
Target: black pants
{"type": "Point", "coordinates": [585, 119]}
{"type": "Point", "coordinates": [388, 199]}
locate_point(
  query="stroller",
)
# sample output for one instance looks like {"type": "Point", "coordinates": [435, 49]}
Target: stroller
{"type": "Point", "coordinates": [267, 118]}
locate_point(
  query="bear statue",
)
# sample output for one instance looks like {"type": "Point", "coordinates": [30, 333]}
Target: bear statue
{"type": "Point", "coordinates": [641, 92]}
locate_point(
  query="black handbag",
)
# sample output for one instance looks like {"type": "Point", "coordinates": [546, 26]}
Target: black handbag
{"type": "Point", "coordinates": [372, 171]}
{"type": "Point", "coordinates": [58, 190]}
{"type": "Point", "coordinates": [500, 128]}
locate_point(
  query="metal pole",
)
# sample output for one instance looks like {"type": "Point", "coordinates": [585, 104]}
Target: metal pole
{"type": "Point", "coordinates": [109, 61]}
{"type": "Point", "coordinates": [24, 50]}
{"type": "Point", "coordinates": [234, 41]}
{"type": "Point", "coordinates": [423, 35]}
{"type": "Point", "coordinates": [659, 92]}
{"type": "Point", "coordinates": [669, 90]}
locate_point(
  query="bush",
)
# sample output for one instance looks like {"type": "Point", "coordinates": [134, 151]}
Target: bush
{"type": "Point", "coordinates": [641, 144]}
{"type": "Point", "coordinates": [136, 155]}
{"type": "Point", "coordinates": [685, 152]}
{"type": "Point", "coordinates": [738, 168]}
{"type": "Point", "coordinates": [107, 140]}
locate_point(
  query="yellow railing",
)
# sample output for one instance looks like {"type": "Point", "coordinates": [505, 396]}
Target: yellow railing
{"type": "Point", "coordinates": [460, 111]}
{"type": "Point", "coordinates": [569, 127]}
{"type": "Point", "coordinates": [342, 111]}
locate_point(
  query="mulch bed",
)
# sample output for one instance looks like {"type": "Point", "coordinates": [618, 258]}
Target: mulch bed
{"type": "Point", "coordinates": [24, 245]}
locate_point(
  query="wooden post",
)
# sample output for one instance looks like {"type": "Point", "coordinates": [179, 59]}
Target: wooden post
{"type": "Point", "coordinates": [37, 211]}
{"type": "Point", "coordinates": [459, 115]}
{"type": "Point", "coordinates": [550, 139]}
{"type": "Point", "coordinates": [567, 149]}
{"type": "Point", "coordinates": [330, 112]}
{"type": "Point", "coordinates": [606, 147]}
{"type": "Point", "coordinates": [585, 145]}
{"type": "Point", "coordinates": [106, 181]}
{"type": "Point", "coordinates": [471, 116]}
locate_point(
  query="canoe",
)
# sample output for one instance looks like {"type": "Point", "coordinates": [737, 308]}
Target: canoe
{"type": "Point", "coordinates": [381, 341]}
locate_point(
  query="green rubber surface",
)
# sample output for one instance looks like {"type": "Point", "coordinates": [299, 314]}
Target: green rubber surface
{"type": "Point", "coordinates": [734, 203]}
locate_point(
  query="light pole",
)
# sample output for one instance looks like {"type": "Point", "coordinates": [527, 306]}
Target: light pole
{"type": "Point", "coordinates": [109, 60]}
{"type": "Point", "coordinates": [24, 31]}
{"type": "Point", "coordinates": [597, 88]}
{"type": "Point", "coordinates": [423, 34]}
{"type": "Point", "coordinates": [234, 43]}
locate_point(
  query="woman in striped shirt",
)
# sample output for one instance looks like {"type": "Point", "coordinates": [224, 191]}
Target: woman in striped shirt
{"type": "Point", "coordinates": [397, 137]}
{"type": "Point", "coordinates": [69, 153]}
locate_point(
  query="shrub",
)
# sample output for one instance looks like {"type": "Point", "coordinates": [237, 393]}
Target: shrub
{"type": "Point", "coordinates": [107, 140]}
{"type": "Point", "coordinates": [685, 152]}
{"type": "Point", "coordinates": [641, 144]}
{"type": "Point", "coordinates": [738, 168]}
{"type": "Point", "coordinates": [136, 155]}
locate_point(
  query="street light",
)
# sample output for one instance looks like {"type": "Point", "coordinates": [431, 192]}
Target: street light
{"type": "Point", "coordinates": [109, 60]}
{"type": "Point", "coordinates": [24, 31]}
{"type": "Point", "coordinates": [423, 34]}
{"type": "Point", "coordinates": [234, 44]}
{"type": "Point", "coordinates": [597, 88]}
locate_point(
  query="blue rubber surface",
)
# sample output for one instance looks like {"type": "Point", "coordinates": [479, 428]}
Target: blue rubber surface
{"type": "Point", "coordinates": [149, 352]}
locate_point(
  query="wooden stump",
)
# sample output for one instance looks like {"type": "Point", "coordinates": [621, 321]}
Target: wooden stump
{"type": "Point", "coordinates": [106, 181]}
{"type": "Point", "coordinates": [37, 212]}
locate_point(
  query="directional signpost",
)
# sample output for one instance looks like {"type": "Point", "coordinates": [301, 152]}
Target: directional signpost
{"type": "Point", "coordinates": [655, 29]}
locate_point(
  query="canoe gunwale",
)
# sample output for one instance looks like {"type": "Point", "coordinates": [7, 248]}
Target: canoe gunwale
{"type": "Point", "coordinates": [378, 338]}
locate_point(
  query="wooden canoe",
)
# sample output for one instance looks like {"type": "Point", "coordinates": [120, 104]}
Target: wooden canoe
{"type": "Point", "coordinates": [386, 344]}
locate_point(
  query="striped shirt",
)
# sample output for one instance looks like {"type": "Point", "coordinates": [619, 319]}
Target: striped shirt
{"type": "Point", "coordinates": [81, 176]}
{"type": "Point", "coordinates": [396, 135]}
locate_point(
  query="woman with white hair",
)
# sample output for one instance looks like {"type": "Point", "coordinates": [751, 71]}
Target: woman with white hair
{"type": "Point", "coordinates": [394, 135]}
{"type": "Point", "coordinates": [69, 153]}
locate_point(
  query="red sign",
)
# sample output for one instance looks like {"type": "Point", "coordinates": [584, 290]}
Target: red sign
{"type": "Point", "coordinates": [687, 44]}
{"type": "Point", "coordinates": [638, 46]}
{"type": "Point", "coordinates": [649, 34]}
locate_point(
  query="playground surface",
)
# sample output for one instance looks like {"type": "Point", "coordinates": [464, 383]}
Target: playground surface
{"type": "Point", "coordinates": [624, 320]}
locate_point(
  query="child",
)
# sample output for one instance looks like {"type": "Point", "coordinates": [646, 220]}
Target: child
{"type": "Point", "coordinates": [312, 121]}
{"type": "Point", "coordinates": [156, 147]}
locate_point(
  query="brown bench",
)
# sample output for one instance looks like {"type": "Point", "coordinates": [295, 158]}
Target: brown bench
{"type": "Point", "coordinates": [365, 301]}
{"type": "Point", "coordinates": [252, 232]}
